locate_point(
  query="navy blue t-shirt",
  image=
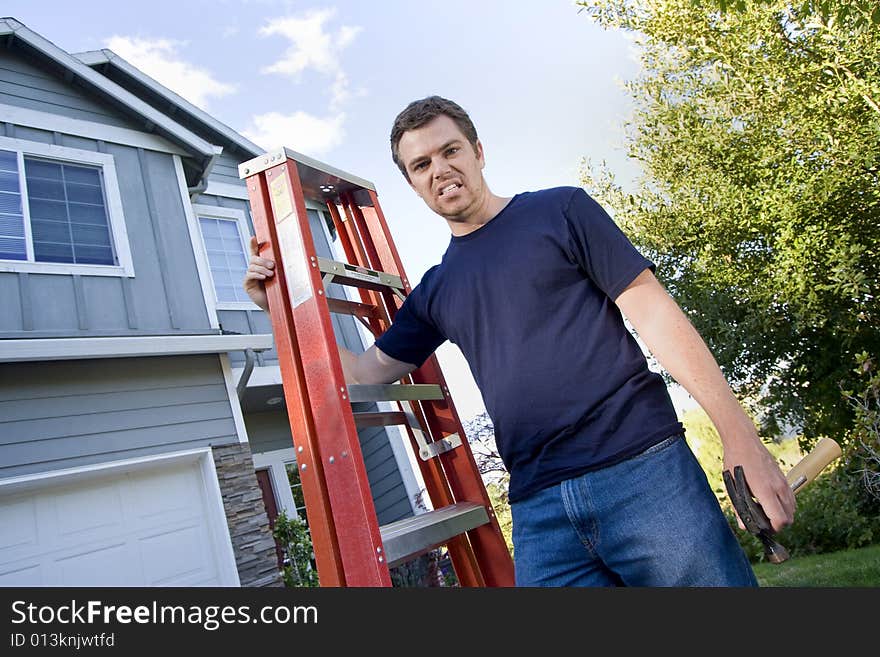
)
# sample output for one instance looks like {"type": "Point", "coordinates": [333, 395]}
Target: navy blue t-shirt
{"type": "Point", "coordinates": [528, 298]}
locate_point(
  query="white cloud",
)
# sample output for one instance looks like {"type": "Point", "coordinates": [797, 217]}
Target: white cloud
{"type": "Point", "coordinates": [315, 47]}
{"type": "Point", "coordinates": [311, 45]}
{"type": "Point", "coordinates": [299, 131]}
{"type": "Point", "coordinates": [159, 59]}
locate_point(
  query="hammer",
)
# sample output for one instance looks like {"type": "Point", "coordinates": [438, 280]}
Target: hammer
{"type": "Point", "coordinates": [749, 510]}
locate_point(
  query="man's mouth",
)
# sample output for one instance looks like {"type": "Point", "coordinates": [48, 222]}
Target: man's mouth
{"type": "Point", "coordinates": [448, 188]}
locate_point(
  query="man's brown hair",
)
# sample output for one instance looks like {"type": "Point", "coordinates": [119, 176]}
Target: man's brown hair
{"type": "Point", "coordinates": [420, 112]}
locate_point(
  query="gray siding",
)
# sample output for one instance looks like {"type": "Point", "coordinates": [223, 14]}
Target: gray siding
{"type": "Point", "coordinates": [57, 415]}
{"type": "Point", "coordinates": [270, 431]}
{"type": "Point", "coordinates": [163, 297]}
{"type": "Point", "coordinates": [226, 170]}
{"type": "Point", "coordinates": [28, 84]}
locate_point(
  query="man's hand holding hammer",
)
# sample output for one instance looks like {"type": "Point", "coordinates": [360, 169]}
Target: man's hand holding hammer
{"type": "Point", "coordinates": [765, 479]}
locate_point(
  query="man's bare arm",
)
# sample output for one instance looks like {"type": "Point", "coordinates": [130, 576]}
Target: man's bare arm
{"type": "Point", "coordinates": [678, 347]}
{"type": "Point", "coordinates": [372, 366]}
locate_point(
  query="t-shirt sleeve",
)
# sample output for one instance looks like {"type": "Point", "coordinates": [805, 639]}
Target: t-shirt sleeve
{"type": "Point", "coordinates": [599, 246]}
{"type": "Point", "coordinates": [412, 337]}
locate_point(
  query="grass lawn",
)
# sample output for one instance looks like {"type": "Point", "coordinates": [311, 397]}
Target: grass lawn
{"type": "Point", "coordinates": [846, 568]}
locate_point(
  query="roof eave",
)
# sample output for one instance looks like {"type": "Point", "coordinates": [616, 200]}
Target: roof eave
{"type": "Point", "coordinates": [202, 150]}
{"type": "Point", "coordinates": [95, 58]}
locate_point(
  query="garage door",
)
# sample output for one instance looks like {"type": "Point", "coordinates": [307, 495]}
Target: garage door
{"type": "Point", "coordinates": [147, 527]}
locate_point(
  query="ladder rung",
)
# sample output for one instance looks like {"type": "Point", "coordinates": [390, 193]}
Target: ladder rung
{"type": "Point", "coordinates": [393, 392]}
{"type": "Point", "coordinates": [408, 538]}
{"type": "Point", "coordinates": [381, 419]}
{"type": "Point", "coordinates": [344, 307]}
{"type": "Point", "coordinates": [347, 274]}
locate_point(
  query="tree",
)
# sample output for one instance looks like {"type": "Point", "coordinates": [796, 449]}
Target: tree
{"type": "Point", "coordinates": [481, 435]}
{"type": "Point", "coordinates": [757, 133]}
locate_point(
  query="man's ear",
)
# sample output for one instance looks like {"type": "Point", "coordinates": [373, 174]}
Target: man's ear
{"type": "Point", "coordinates": [478, 149]}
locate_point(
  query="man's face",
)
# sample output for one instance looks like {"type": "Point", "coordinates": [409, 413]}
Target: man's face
{"type": "Point", "coordinates": [444, 169]}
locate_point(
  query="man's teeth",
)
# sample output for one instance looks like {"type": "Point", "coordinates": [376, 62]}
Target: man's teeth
{"type": "Point", "coordinates": [448, 187]}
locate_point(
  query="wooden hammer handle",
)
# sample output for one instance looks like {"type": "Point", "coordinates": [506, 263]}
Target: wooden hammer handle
{"type": "Point", "coordinates": [825, 451]}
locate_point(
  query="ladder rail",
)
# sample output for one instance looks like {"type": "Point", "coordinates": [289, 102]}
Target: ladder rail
{"type": "Point", "coordinates": [332, 468]}
{"type": "Point", "coordinates": [321, 524]}
{"type": "Point", "coordinates": [347, 538]}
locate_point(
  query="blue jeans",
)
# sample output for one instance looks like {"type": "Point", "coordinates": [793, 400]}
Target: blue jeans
{"type": "Point", "coordinates": [651, 520]}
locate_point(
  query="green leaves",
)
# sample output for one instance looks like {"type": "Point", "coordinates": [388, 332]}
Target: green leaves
{"type": "Point", "coordinates": [757, 125]}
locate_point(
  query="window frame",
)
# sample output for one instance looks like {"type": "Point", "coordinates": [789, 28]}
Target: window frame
{"type": "Point", "coordinates": [217, 212]}
{"type": "Point", "coordinates": [112, 198]}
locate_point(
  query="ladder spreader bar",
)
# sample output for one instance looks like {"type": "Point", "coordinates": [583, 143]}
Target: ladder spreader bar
{"type": "Point", "coordinates": [348, 274]}
{"type": "Point", "coordinates": [393, 392]}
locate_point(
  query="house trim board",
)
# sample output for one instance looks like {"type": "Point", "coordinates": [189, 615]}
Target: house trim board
{"type": "Point", "coordinates": [274, 462]}
{"type": "Point", "coordinates": [78, 128]}
{"type": "Point", "coordinates": [38, 349]}
{"type": "Point", "coordinates": [234, 403]}
{"type": "Point", "coordinates": [195, 237]}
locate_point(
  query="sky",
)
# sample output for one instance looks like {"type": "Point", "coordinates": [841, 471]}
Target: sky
{"type": "Point", "coordinates": [542, 82]}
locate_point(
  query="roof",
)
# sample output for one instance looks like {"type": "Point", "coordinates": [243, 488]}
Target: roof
{"type": "Point", "coordinates": [74, 70]}
{"type": "Point", "coordinates": [101, 59]}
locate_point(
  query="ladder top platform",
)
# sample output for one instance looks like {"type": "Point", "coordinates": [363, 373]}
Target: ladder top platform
{"type": "Point", "coordinates": [319, 180]}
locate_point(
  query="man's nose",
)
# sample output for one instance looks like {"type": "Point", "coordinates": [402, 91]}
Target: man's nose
{"type": "Point", "coordinates": [441, 168]}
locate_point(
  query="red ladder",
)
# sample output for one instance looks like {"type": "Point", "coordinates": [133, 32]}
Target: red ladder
{"type": "Point", "coordinates": [351, 549]}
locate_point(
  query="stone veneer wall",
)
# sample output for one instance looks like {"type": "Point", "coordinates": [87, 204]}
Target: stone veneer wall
{"type": "Point", "coordinates": [252, 541]}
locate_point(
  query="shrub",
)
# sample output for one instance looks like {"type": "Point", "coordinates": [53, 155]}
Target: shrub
{"type": "Point", "coordinates": [296, 545]}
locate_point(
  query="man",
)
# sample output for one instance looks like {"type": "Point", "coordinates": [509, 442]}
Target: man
{"type": "Point", "coordinates": [604, 490]}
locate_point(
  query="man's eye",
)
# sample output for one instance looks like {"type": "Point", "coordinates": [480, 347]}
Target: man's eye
{"type": "Point", "coordinates": [452, 150]}
{"type": "Point", "coordinates": [420, 166]}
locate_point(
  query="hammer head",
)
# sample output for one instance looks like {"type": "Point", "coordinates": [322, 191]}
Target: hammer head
{"type": "Point", "coordinates": [752, 514]}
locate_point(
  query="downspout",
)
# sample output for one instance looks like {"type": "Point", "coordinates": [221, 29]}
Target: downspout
{"type": "Point", "coordinates": [246, 373]}
{"type": "Point", "coordinates": [202, 184]}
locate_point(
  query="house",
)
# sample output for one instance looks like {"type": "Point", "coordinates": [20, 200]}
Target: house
{"type": "Point", "coordinates": [143, 435]}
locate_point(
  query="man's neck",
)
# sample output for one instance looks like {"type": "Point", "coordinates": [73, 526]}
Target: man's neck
{"type": "Point", "coordinates": [490, 209]}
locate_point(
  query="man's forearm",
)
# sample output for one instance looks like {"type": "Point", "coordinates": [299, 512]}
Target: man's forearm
{"type": "Point", "coordinates": [349, 365]}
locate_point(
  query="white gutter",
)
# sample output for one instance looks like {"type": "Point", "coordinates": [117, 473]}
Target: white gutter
{"type": "Point", "coordinates": [14, 350]}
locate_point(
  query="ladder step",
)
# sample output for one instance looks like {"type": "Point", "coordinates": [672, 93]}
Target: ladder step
{"type": "Point", "coordinates": [348, 274]}
{"type": "Point", "coordinates": [381, 419]}
{"type": "Point", "coordinates": [394, 392]}
{"type": "Point", "coordinates": [410, 537]}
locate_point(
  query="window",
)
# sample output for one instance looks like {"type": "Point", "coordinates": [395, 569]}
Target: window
{"type": "Point", "coordinates": [60, 211]}
{"type": "Point", "coordinates": [296, 489]}
{"type": "Point", "coordinates": [224, 243]}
